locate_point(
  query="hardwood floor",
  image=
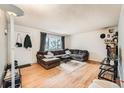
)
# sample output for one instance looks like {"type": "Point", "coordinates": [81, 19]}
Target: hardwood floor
{"type": "Point", "coordinates": [36, 76]}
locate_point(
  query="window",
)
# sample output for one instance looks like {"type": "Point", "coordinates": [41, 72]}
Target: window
{"type": "Point", "coordinates": [53, 42]}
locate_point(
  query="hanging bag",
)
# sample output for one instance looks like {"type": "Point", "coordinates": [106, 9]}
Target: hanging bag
{"type": "Point", "coordinates": [18, 41]}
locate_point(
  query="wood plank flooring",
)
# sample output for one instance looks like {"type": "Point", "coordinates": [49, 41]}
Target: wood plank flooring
{"type": "Point", "coordinates": [36, 76]}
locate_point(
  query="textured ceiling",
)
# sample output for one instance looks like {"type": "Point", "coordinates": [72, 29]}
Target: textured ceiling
{"type": "Point", "coordinates": [69, 19]}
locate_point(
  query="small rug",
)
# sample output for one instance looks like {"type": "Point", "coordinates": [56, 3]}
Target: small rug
{"type": "Point", "coordinates": [71, 66]}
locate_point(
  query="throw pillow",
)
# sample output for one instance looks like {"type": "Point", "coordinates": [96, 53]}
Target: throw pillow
{"type": "Point", "coordinates": [67, 52]}
{"type": "Point", "coordinates": [50, 53]}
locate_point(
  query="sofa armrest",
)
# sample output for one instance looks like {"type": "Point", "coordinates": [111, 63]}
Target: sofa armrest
{"type": "Point", "coordinates": [39, 57]}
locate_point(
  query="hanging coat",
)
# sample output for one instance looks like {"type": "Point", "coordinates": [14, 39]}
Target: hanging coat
{"type": "Point", "coordinates": [27, 42]}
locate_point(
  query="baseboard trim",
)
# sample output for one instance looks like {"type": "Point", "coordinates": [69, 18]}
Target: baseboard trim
{"type": "Point", "coordinates": [93, 61]}
{"type": "Point", "coordinates": [25, 65]}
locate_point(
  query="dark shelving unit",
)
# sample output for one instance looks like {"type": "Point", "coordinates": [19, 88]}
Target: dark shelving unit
{"type": "Point", "coordinates": [108, 71]}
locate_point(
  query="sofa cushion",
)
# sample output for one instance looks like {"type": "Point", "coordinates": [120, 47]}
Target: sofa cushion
{"type": "Point", "coordinates": [76, 55]}
{"type": "Point", "coordinates": [42, 53]}
{"type": "Point", "coordinates": [74, 51]}
{"type": "Point", "coordinates": [60, 55]}
{"type": "Point", "coordinates": [81, 52]}
{"type": "Point", "coordinates": [58, 52]}
{"type": "Point", "coordinates": [48, 56]}
{"type": "Point", "coordinates": [50, 59]}
{"type": "Point", "coordinates": [50, 53]}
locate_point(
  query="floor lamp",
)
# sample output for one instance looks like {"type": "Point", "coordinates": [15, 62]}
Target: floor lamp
{"type": "Point", "coordinates": [13, 12]}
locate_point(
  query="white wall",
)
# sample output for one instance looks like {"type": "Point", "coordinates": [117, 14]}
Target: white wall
{"type": "Point", "coordinates": [35, 38]}
{"type": "Point", "coordinates": [3, 43]}
{"type": "Point", "coordinates": [121, 44]}
{"type": "Point", "coordinates": [90, 41]}
{"type": "Point", "coordinates": [67, 41]}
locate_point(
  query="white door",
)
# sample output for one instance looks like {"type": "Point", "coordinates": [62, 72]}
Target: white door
{"type": "Point", "coordinates": [23, 55]}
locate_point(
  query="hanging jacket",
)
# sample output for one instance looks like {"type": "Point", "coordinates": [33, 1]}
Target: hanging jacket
{"type": "Point", "coordinates": [27, 42]}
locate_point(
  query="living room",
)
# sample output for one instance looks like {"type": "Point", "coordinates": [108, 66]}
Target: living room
{"type": "Point", "coordinates": [62, 49]}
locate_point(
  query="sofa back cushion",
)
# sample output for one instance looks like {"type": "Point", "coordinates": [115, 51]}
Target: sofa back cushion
{"type": "Point", "coordinates": [42, 53]}
{"type": "Point", "coordinates": [74, 51]}
{"type": "Point", "coordinates": [58, 52]}
{"type": "Point", "coordinates": [83, 52]}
